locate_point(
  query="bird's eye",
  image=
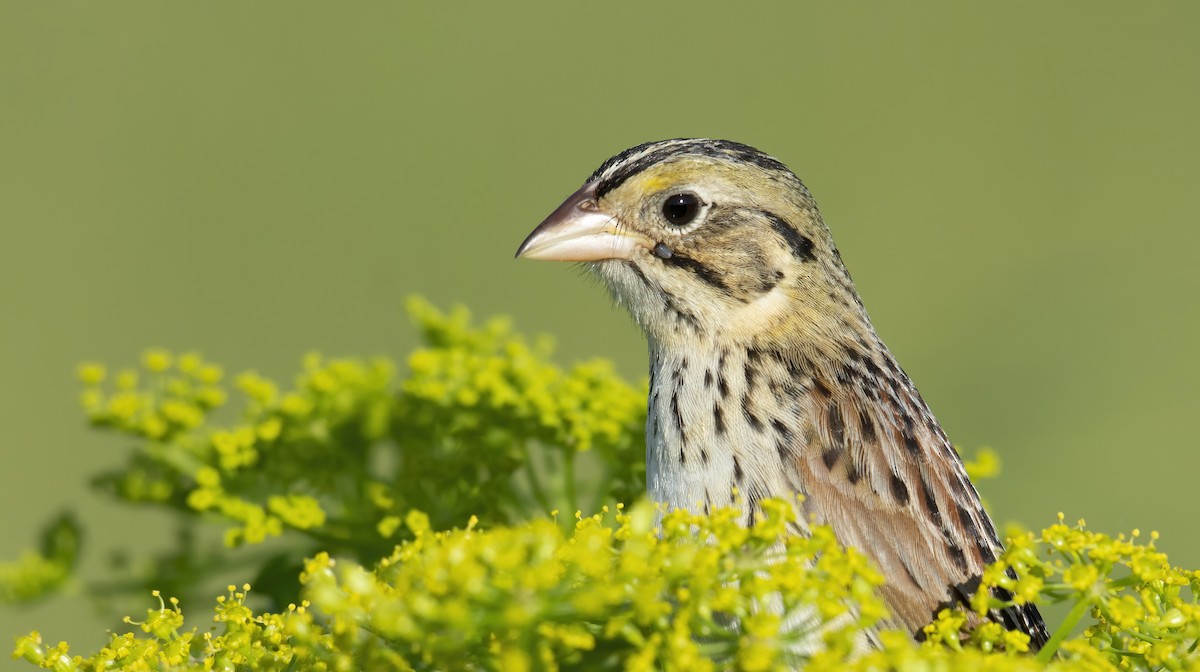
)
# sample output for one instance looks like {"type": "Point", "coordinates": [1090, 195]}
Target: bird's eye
{"type": "Point", "coordinates": [681, 209]}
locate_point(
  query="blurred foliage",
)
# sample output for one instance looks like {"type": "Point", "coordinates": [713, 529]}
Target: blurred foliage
{"type": "Point", "coordinates": [483, 425]}
{"type": "Point", "coordinates": [369, 476]}
{"type": "Point", "coordinates": [41, 571]}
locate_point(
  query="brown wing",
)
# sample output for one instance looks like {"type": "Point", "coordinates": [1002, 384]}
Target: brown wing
{"type": "Point", "coordinates": [879, 470]}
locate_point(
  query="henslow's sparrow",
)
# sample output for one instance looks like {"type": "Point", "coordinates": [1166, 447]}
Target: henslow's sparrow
{"type": "Point", "coordinates": [766, 375]}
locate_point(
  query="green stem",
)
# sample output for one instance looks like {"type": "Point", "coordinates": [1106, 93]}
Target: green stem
{"type": "Point", "coordinates": [137, 585]}
{"type": "Point", "coordinates": [569, 480]}
{"type": "Point", "coordinates": [1064, 629]}
{"type": "Point", "coordinates": [1144, 637]}
{"type": "Point", "coordinates": [1124, 653]}
{"type": "Point", "coordinates": [602, 492]}
{"type": "Point", "coordinates": [535, 482]}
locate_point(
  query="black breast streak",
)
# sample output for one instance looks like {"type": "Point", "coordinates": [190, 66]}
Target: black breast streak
{"type": "Point", "coordinates": [931, 502]}
{"type": "Point", "coordinates": [754, 421]}
{"type": "Point", "coordinates": [955, 550]}
{"type": "Point", "coordinates": [802, 246]}
{"type": "Point", "coordinates": [1020, 618]}
{"type": "Point", "coordinates": [836, 428]}
{"type": "Point", "coordinates": [890, 364]}
{"type": "Point", "coordinates": [680, 314]}
{"type": "Point", "coordinates": [782, 430]}
{"type": "Point", "coordinates": [866, 425]}
{"type": "Point", "coordinates": [1023, 617]}
{"type": "Point", "coordinates": [795, 392]}
{"type": "Point", "coordinates": [930, 422]}
{"type": "Point", "coordinates": [722, 385]}
{"type": "Point", "coordinates": [855, 356]}
{"type": "Point", "coordinates": [752, 507]}
{"type": "Point", "coordinates": [986, 554]}
{"type": "Point", "coordinates": [872, 368]}
{"type": "Point", "coordinates": [910, 440]}
{"type": "Point", "coordinates": [738, 474]}
{"type": "Point", "coordinates": [784, 450]}
{"type": "Point", "coordinates": [853, 474]}
{"type": "Point", "coordinates": [970, 531]}
{"type": "Point", "coordinates": [795, 529]}
{"type": "Point", "coordinates": [956, 554]}
{"type": "Point", "coordinates": [718, 418]}
{"type": "Point", "coordinates": [899, 489]}
{"type": "Point", "coordinates": [678, 418]}
{"type": "Point", "coordinates": [830, 457]}
{"type": "Point", "coordinates": [960, 593]}
{"type": "Point", "coordinates": [767, 282]}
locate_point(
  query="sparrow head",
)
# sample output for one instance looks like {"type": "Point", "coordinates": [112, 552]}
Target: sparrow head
{"type": "Point", "coordinates": [701, 238]}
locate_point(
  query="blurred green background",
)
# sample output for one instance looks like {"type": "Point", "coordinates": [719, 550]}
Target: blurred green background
{"type": "Point", "coordinates": [1013, 188]}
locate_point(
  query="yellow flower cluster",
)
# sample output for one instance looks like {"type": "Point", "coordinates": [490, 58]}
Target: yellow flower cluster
{"type": "Point", "coordinates": [481, 411]}
{"type": "Point", "coordinates": [698, 593]}
{"type": "Point", "coordinates": [363, 470]}
{"type": "Point", "coordinates": [1143, 610]}
{"type": "Point", "coordinates": [488, 400]}
{"type": "Point", "coordinates": [616, 589]}
{"type": "Point", "coordinates": [615, 593]}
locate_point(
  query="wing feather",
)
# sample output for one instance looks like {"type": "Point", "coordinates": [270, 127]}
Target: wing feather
{"type": "Point", "coordinates": [923, 525]}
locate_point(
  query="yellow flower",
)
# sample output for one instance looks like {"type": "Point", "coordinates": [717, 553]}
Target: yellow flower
{"type": "Point", "coordinates": [156, 360]}
{"type": "Point", "coordinates": [91, 373]}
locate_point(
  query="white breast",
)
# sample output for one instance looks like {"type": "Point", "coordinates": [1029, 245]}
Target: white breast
{"type": "Point", "coordinates": [705, 436]}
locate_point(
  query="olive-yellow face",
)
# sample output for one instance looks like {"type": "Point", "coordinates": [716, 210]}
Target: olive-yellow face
{"type": "Point", "coordinates": [692, 235]}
